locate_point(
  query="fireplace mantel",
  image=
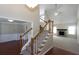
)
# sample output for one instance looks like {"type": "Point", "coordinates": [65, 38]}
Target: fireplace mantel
{"type": "Point", "coordinates": [62, 32]}
{"type": "Point", "coordinates": [62, 29]}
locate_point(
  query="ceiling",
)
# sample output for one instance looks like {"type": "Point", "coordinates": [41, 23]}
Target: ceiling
{"type": "Point", "coordinates": [67, 13]}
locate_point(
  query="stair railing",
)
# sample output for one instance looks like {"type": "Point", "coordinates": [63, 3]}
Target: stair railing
{"type": "Point", "coordinates": [43, 20]}
{"type": "Point", "coordinates": [34, 40]}
{"type": "Point", "coordinates": [21, 37]}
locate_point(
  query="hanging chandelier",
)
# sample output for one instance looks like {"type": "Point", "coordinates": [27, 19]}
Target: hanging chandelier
{"type": "Point", "coordinates": [31, 3]}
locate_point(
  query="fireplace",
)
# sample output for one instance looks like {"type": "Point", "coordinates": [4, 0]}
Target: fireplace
{"type": "Point", "coordinates": [62, 32]}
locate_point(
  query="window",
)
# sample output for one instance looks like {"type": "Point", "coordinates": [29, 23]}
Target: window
{"type": "Point", "coordinates": [54, 30]}
{"type": "Point", "coordinates": [42, 18]}
{"type": "Point", "coordinates": [71, 30]}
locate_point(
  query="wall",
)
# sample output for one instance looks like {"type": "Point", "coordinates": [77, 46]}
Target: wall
{"type": "Point", "coordinates": [0, 28]}
{"type": "Point", "coordinates": [21, 12]}
{"type": "Point", "coordinates": [11, 31]}
{"type": "Point", "coordinates": [11, 28]}
{"type": "Point", "coordinates": [78, 25]}
{"type": "Point", "coordinates": [65, 26]}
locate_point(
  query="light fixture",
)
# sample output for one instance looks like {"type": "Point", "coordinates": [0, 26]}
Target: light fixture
{"type": "Point", "coordinates": [31, 5]}
{"type": "Point", "coordinates": [56, 13]}
{"type": "Point", "coordinates": [10, 20]}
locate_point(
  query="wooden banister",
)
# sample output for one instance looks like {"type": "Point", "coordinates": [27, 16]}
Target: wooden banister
{"type": "Point", "coordinates": [34, 39]}
{"type": "Point", "coordinates": [20, 42]}
{"type": "Point", "coordinates": [21, 37]}
{"type": "Point", "coordinates": [52, 26]}
{"type": "Point", "coordinates": [26, 32]}
{"type": "Point", "coordinates": [43, 20]}
{"type": "Point", "coordinates": [49, 26]}
{"type": "Point", "coordinates": [42, 29]}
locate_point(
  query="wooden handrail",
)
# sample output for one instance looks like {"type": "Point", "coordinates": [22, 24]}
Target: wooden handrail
{"type": "Point", "coordinates": [34, 38]}
{"type": "Point", "coordinates": [26, 32]}
{"type": "Point", "coordinates": [43, 20]}
{"type": "Point", "coordinates": [21, 37]}
{"type": "Point", "coordinates": [40, 31]}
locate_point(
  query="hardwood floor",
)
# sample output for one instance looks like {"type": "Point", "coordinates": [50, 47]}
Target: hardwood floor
{"type": "Point", "coordinates": [58, 51]}
{"type": "Point", "coordinates": [12, 48]}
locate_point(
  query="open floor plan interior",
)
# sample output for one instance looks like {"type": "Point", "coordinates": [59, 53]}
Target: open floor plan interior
{"type": "Point", "coordinates": [41, 29]}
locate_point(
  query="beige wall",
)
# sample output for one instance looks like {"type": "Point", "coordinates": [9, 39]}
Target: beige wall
{"type": "Point", "coordinates": [21, 12]}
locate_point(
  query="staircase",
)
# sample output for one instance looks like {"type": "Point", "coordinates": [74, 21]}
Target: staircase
{"type": "Point", "coordinates": [45, 45]}
{"type": "Point", "coordinates": [40, 44]}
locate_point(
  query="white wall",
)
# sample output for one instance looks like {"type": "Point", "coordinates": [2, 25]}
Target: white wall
{"type": "Point", "coordinates": [21, 12]}
{"type": "Point", "coordinates": [65, 26]}
{"type": "Point", "coordinates": [9, 37]}
{"type": "Point", "coordinates": [12, 28]}
{"type": "Point", "coordinates": [66, 17]}
{"type": "Point", "coordinates": [78, 25]}
{"type": "Point", "coordinates": [11, 31]}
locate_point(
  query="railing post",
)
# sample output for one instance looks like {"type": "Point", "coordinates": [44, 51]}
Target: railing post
{"type": "Point", "coordinates": [40, 28]}
{"type": "Point", "coordinates": [49, 26]}
{"type": "Point", "coordinates": [32, 46]}
{"type": "Point", "coordinates": [52, 27]}
{"type": "Point", "coordinates": [20, 42]}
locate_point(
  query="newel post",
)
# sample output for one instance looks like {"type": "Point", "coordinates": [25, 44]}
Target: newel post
{"type": "Point", "coordinates": [49, 26]}
{"type": "Point", "coordinates": [31, 46]}
{"type": "Point", "coordinates": [20, 41]}
{"type": "Point", "coordinates": [52, 26]}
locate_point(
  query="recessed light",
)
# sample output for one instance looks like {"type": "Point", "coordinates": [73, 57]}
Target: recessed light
{"type": "Point", "coordinates": [10, 20]}
{"type": "Point", "coordinates": [55, 13]}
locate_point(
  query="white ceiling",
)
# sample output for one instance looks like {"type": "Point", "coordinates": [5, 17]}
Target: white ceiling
{"type": "Point", "coordinates": [67, 12]}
